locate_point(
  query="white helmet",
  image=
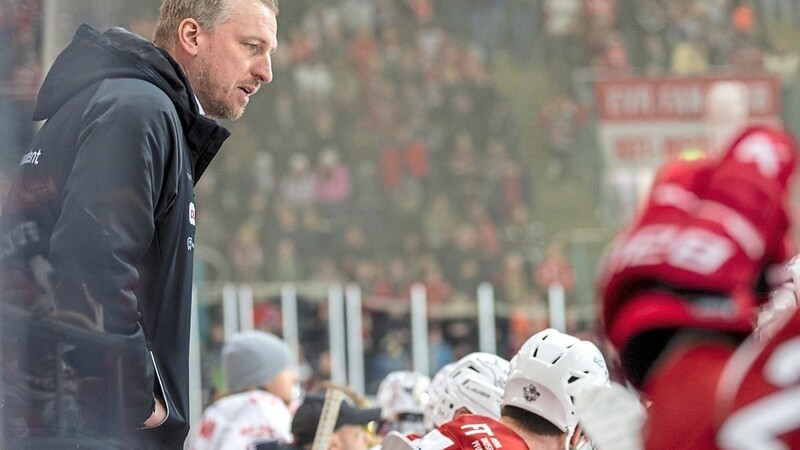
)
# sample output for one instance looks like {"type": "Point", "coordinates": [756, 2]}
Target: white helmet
{"type": "Point", "coordinates": [436, 392]}
{"type": "Point", "coordinates": [402, 396]}
{"type": "Point", "coordinates": [549, 372]}
{"type": "Point", "coordinates": [475, 382]}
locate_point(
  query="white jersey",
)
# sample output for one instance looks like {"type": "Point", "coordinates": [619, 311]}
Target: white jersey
{"type": "Point", "coordinates": [239, 421]}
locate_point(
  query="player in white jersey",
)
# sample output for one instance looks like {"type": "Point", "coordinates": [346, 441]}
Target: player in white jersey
{"type": "Point", "coordinates": [537, 411]}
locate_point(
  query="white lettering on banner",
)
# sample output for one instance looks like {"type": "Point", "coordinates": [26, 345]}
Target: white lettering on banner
{"type": "Point", "coordinates": [632, 100]}
{"type": "Point", "coordinates": [477, 428]}
{"type": "Point", "coordinates": [644, 121]}
{"type": "Point", "coordinates": [680, 99]}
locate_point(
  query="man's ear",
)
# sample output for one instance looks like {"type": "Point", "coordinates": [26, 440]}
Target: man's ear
{"type": "Point", "coordinates": [575, 439]}
{"type": "Point", "coordinates": [335, 442]}
{"type": "Point", "coordinates": [188, 33]}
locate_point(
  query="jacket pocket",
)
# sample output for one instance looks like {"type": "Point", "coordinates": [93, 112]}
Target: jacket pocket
{"type": "Point", "coordinates": [159, 393]}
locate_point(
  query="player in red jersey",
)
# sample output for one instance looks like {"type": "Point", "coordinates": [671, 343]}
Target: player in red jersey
{"type": "Point", "coordinates": [758, 398]}
{"type": "Point", "coordinates": [472, 385]}
{"type": "Point", "coordinates": [680, 289]}
{"type": "Point", "coordinates": [537, 411]}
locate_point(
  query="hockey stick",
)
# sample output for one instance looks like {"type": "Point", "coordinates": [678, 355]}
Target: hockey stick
{"type": "Point", "coordinates": [327, 419]}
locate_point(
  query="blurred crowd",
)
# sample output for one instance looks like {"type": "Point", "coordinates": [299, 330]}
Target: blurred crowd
{"type": "Point", "coordinates": [394, 148]}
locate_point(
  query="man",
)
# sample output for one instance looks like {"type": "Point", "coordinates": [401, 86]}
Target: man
{"type": "Point", "coordinates": [259, 372]}
{"type": "Point", "coordinates": [472, 385]}
{"type": "Point", "coordinates": [681, 286]}
{"type": "Point", "coordinates": [349, 429]}
{"type": "Point", "coordinates": [548, 373]}
{"type": "Point", "coordinates": [98, 230]}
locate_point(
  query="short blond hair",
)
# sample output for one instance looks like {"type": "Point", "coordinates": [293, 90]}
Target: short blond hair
{"type": "Point", "coordinates": [208, 13]}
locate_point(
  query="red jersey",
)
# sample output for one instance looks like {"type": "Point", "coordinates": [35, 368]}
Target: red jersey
{"type": "Point", "coordinates": [759, 394]}
{"type": "Point", "coordinates": [471, 432]}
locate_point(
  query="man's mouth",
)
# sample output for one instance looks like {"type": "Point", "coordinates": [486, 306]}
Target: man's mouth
{"type": "Point", "coordinates": [248, 90]}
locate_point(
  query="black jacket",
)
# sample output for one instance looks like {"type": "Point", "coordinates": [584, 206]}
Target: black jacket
{"type": "Point", "coordinates": [98, 231]}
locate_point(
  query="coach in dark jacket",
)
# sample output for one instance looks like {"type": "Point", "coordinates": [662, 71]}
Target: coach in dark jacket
{"type": "Point", "coordinates": [97, 234]}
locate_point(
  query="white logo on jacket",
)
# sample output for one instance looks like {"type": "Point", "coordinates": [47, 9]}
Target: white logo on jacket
{"type": "Point", "coordinates": [32, 157]}
{"type": "Point", "coordinates": [192, 213]}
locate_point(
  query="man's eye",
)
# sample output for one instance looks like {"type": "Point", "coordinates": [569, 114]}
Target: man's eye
{"type": "Point", "coordinates": [252, 47]}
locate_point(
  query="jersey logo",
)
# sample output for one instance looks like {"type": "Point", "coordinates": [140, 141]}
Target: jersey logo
{"type": "Point", "coordinates": [477, 428]}
{"type": "Point", "coordinates": [530, 393]}
{"type": "Point", "coordinates": [192, 213]}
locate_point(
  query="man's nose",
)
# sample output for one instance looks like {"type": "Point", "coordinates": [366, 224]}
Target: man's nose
{"type": "Point", "coordinates": [263, 70]}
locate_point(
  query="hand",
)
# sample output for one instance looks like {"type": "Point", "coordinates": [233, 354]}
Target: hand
{"type": "Point", "coordinates": [158, 417]}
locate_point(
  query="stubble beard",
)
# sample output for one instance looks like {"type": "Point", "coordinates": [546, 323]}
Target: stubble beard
{"type": "Point", "coordinates": [213, 100]}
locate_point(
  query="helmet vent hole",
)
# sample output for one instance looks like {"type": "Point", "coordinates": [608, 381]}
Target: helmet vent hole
{"type": "Point", "coordinates": [572, 379]}
{"type": "Point", "coordinates": [556, 360]}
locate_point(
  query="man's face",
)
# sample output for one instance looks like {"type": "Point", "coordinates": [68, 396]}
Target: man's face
{"type": "Point", "coordinates": [350, 437]}
{"type": "Point", "coordinates": [283, 385]}
{"type": "Point", "coordinates": [235, 59]}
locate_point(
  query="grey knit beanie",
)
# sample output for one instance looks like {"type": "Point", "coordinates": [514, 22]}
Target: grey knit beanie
{"type": "Point", "coordinates": [253, 358]}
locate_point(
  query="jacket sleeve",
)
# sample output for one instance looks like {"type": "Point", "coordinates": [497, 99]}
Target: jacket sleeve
{"type": "Point", "coordinates": [105, 227]}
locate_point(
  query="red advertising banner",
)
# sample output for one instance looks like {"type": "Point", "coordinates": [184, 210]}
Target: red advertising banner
{"type": "Point", "coordinates": [643, 121]}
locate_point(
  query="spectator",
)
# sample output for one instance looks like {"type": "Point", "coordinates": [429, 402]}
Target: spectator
{"type": "Point", "coordinates": [298, 187]}
{"type": "Point", "coordinates": [246, 251]}
{"type": "Point", "coordinates": [354, 249]}
{"type": "Point", "coordinates": [524, 233]}
{"type": "Point", "coordinates": [488, 239]}
{"type": "Point", "coordinates": [561, 118]}
{"type": "Point", "coordinates": [512, 280]}
{"type": "Point", "coordinates": [561, 22]}
{"type": "Point", "coordinates": [555, 269]}
{"type": "Point", "coordinates": [285, 265]}
{"type": "Point", "coordinates": [438, 221]}
{"type": "Point", "coordinates": [783, 60]}
{"type": "Point", "coordinates": [441, 351]}
{"type": "Point", "coordinates": [392, 356]}
{"type": "Point", "coordinates": [333, 182]}
{"type": "Point", "coordinates": [262, 380]}
{"type": "Point", "coordinates": [264, 177]}
{"type": "Point", "coordinates": [437, 288]}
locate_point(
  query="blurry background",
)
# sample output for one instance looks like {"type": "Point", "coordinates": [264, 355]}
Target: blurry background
{"type": "Point", "coordinates": [457, 145]}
